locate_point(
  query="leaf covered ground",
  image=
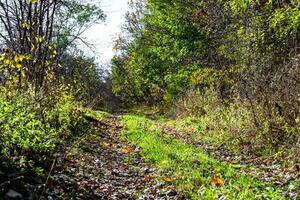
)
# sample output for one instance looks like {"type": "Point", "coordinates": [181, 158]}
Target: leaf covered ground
{"type": "Point", "coordinates": [130, 156]}
{"type": "Point", "coordinates": [101, 166]}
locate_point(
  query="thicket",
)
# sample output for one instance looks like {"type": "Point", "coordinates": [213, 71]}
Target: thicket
{"type": "Point", "coordinates": [195, 57]}
{"type": "Point", "coordinates": [44, 79]}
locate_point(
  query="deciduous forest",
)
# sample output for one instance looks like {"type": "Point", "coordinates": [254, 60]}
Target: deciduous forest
{"type": "Point", "coordinates": [200, 101]}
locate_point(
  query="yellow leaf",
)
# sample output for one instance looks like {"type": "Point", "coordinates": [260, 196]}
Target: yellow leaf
{"type": "Point", "coordinates": [127, 150]}
{"type": "Point", "coordinates": [25, 25]}
{"type": "Point", "coordinates": [22, 57]}
{"type": "Point", "coordinates": [16, 58]}
{"type": "Point", "coordinates": [6, 62]}
{"type": "Point", "coordinates": [18, 66]}
{"type": "Point", "coordinates": [216, 181]}
{"type": "Point", "coordinates": [168, 179]}
{"type": "Point", "coordinates": [39, 39]}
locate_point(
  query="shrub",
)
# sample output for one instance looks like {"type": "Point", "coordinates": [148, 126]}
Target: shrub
{"type": "Point", "coordinates": [33, 126]}
{"type": "Point", "coordinates": [235, 124]}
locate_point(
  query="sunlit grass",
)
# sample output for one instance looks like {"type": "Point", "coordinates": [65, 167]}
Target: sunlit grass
{"type": "Point", "coordinates": [191, 170]}
{"type": "Point", "coordinates": [97, 115]}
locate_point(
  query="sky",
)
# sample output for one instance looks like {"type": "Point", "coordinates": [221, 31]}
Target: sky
{"type": "Point", "coordinates": [102, 35]}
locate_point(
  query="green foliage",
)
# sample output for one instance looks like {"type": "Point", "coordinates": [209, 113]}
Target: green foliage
{"type": "Point", "coordinates": [42, 80]}
{"type": "Point", "coordinates": [81, 74]}
{"type": "Point", "coordinates": [244, 52]}
{"type": "Point", "coordinates": [45, 36]}
{"type": "Point", "coordinates": [35, 127]}
{"type": "Point", "coordinates": [155, 65]}
{"type": "Point", "coordinates": [205, 118]}
{"type": "Point", "coordinates": [83, 13]}
{"type": "Point", "coordinates": [72, 19]}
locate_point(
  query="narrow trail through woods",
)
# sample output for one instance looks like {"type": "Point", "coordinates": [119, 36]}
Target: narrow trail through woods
{"type": "Point", "coordinates": [266, 170]}
{"type": "Point", "coordinates": [103, 167]}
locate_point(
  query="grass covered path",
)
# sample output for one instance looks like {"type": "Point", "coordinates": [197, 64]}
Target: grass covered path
{"type": "Point", "coordinates": [193, 172]}
{"type": "Point", "coordinates": [130, 156]}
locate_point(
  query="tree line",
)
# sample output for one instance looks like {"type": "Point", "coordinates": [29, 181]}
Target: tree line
{"type": "Point", "coordinates": [236, 51]}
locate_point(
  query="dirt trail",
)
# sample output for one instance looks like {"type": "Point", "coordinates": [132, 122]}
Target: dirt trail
{"type": "Point", "coordinates": [103, 167]}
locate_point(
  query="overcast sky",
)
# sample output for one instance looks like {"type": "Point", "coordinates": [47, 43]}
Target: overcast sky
{"type": "Point", "coordinates": [102, 35]}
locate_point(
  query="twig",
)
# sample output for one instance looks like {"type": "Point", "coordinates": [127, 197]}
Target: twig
{"type": "Point", "coordinates": [53, 164]}
{"type": "Point", "coordinates": [9, 181]}
{"type": "Point", "coordinates": [52, 167]}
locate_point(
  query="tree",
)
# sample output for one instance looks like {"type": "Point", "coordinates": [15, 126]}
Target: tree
{"type": "Point", "coordinates": [43, 30]}
{"type": "Point", "coordinates": [160, 50]}
{"type": "Point", "coordinates": [246, 50]}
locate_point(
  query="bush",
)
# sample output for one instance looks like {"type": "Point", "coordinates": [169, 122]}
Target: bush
{"type": "Point", "coordinates": [33, 126]}
{"type": "Point", "coordinates": [235, 124]}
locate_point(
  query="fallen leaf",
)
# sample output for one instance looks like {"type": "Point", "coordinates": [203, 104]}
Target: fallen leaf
{"type": "Point", "coordinates": [105, 144]}
{"type": "Point", "coordinates": [168, 179]}
{"type": "Point", "coordinates": [216, 181]}
{"type": "Point", "coordinates": [119, 126]}
{"type": "Point", "coordinates": [250, 189]}
{"type": "Point", "coordinates": [127, 150]}
{"type": "Point", "coordinates": [148, 178]}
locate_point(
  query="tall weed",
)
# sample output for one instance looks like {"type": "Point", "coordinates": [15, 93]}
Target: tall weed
{"type": "Point", "coordinates": [236, 125]}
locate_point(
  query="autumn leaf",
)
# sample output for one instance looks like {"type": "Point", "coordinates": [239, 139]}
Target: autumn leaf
{"type": "Point", "coordinates": [105, 144]}
{"type": "Point", "coordinates": [127, 150]}
{"type": "Point", "coordinates": [216, 181]}
{"type": "Point", "coordinates": [148, 178]}
{"type": "Point", "coordinates": [250, 189]}
{"type": "Point", "coordinates": [168, 179]}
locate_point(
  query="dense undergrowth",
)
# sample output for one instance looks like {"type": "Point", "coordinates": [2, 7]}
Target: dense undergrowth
{"type": "Point", "coordinates": [44, 79]}
{"type": "Point", "coordinates": [233, 125]}
{"type": "Point", "coordinates": [34, 128]}
{"type": "Point", "coordinates": [190, 169]}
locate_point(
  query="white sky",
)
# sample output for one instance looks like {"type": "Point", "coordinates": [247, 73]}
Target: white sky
{"type": "Point", "coordinates": [102, 35]}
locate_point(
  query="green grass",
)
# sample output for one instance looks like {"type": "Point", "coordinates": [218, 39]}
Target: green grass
{"type": "Point", "coordinates": [230, 127]}
{"type": "Point", "coordinates": [97, 115]}
{"type": "Point", "coordinates": [190, 168]}
{"type": "Point", "coordinates": [202, 129]}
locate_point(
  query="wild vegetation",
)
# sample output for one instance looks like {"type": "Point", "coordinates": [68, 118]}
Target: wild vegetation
{"type": "Point", "coordinates": [44, 79]}
{"type": "Point", "coordinates": [204, 99]}
{"type": "Point", "coordinates": [224, 73]}
{"type": "Point", "coordinates": [199, 176]}
{"type": "Point", "coordinates": [232, 65]}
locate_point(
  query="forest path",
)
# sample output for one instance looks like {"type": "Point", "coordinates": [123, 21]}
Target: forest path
{"type": "Point", "coordinates": [267, 170]}
{"type": "Point", "coordinates": [101, 166]}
